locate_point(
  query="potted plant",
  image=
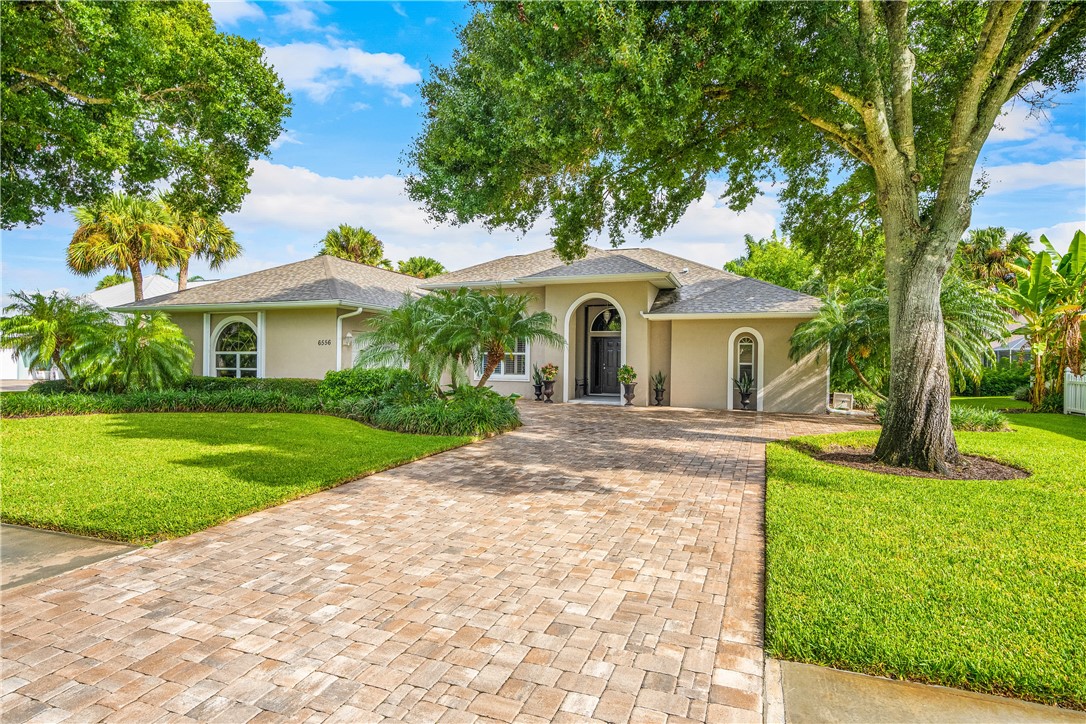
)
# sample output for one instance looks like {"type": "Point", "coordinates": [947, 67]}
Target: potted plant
{"type": "Point", "coordinates": [627, 377]}
{"type": "Point", "coordinates": [549, 372]}
{"type": "Point", "coordinates": [658, 381]}
{"type": "Point", "coordinates": [745, 385]}
{"type": "Point", "coordinates": [537, 383]}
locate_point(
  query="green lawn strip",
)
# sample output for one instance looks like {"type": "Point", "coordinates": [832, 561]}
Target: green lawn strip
{"type": "Point", "coordinates": [973, 584]}
{"type": "Point", "coordinates": [991, 403]}
{"type": "Point", "coordinates": [143, 478]}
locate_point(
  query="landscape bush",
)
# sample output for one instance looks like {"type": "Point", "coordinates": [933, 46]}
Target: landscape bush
{"type": "Point", "coordinates": [465, 411]}
{"type": "Point", "coordinates": [1052, 402]}
{"type": "Point", "coordinates": [76, 403]}
{"type": "Point", "coordinates": [1003, 379]}
{"type": "Point", "coordinates": [964, 418]}
{"type": "Point", "coordinates": [284, 385]}
{"type": "Point", "coordinates": [1022, 393]}
{"type": "Point", "coordinates": [371, 382]}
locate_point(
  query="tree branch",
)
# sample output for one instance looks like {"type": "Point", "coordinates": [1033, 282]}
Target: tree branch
{"type": "Point", "coordinates": [1043, 37]}
{"type": "Point", "coordinates": [855, 145]}
{"type": "Point", "coordinates": [57, 85]}
{"type": "Point", "coordinates": [903, 64]}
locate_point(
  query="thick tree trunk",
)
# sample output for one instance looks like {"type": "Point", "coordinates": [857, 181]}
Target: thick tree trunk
{"type": "Point", "coordinates": [494, 355]}
{"type": "Point", "coordinates": [916, 432]}
{"type": "Point", "coordinates": [183, 274]}
{"type": "Point", "coordinates": [137, 281]}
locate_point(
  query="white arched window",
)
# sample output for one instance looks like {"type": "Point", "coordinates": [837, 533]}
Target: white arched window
{"type": "Point", "coordinates": [236, 349]}
{"type": "Point", "coordinates": [745, 357]}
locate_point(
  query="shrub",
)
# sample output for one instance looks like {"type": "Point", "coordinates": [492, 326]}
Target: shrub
{"type": "Point", "coordinates": [370, 382]}
{"type": "Point", "coordinates": [50, 387]}
{"type": "Point", "coordinates": [466, 411]}
{"type": "Point", "coordinates": [977, 419]}
{"type": "Point", "coordinates": [1052, 402]}
{"type": "Point", "coordinates": [1003, 379]}
{"type": "Point", "coordinates": [285, 385]}
{"type": "Point", "coordinates": [963, 418]}
{"type": "Point", "coordinates": [1022, 394]}
{"type": "Point", "coordinates": [238, 400]}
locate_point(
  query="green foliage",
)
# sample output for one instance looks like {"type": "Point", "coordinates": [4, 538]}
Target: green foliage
{"type": "Point", "coordinates": [122, 232]}
{"type": "Point", "coordinates": [776, 261]}
{"type": "Point", "coordinates": [146, 478]}
{"type": "Point", "coordinates": [626, 374]}
{"type": "Point", "coordinates": [112, 280]}
{"type": "Point", "coordinates": [285, 385]}
{"type": "Point", "coordinates": [659, 380]}
{"type": "Point", "coordinates": [1022, 394]}
{"type": "Point", "coordinates": [236, 400]}
{"type": "Point", "coordinates": [354, 243]}
{"type": "Point", "coordinates": [146, 351]}
{"type": "Point", "coordinates": [1052, 402]}
{"type": "Point", "coordinates": [144, 91]}
{"type": "Point", "coordinates": [969, 583]}
{"type": "Point", "coordinates": [468, 411]}
{"type": "Point", "coordinates": [199, 235]}
{"type": "Point", "coordinates": [51, 387]}
{"type": "Point", "coordinates": [422, 267]}
{"type": "Point", "coordinates": [970, 418]}
{"type": "Point", "coordinates": [1004, 378]}
{"type": "Point", "coordinates": [988, 255]}
{"type": "Point", "coordinates": [992, 403]}
{"type": "Point", "coordinates": [43, 329]}
{"type": "Point", "coordinates": [369, 382]}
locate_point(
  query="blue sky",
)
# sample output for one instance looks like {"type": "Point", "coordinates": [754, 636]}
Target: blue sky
{"type": "Point", "coordinates": [353, 70]}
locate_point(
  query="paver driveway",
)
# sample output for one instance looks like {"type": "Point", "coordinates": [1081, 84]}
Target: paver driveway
{"type": "Point", "coordinates": [598, 563]}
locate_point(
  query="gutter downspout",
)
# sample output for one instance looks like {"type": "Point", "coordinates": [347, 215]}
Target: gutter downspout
{"type": "Point", "coordinates": [339, 335]}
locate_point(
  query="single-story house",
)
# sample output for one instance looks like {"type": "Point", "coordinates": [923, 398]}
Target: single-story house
{"type": "Point", "coordinates": [700, 326]}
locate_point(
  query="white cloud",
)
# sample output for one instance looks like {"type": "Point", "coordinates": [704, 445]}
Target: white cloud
{"type": "Point", "coordinates": [1020, 122]}
{"type": "Point", "coordinates": [232, 12]}
{"type": "Point", "coordinates": [290, 208]}
{"type": "Point", "coordinates": [318, 70]}
{"type": "Point", "coordinates": [1067, 172]}
{"type": "Point", "coordinates": [399, 10]}
{"type": "Point", "coordinates": [1059, 234]}
{"type": "Point", "coordinates": [287, 136]}
{"type": "Point", "coordinates": [360, 106]}
{"type": "Point", "coordinates": [301, 15]}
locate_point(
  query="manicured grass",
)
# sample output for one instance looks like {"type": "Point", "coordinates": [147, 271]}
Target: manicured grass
{"type": "Point", "coordinates": [147, 477]}
{"type": "Point", "coordinates": [991, 403]}
{"type": "Point", "coordinates": [974, 584]}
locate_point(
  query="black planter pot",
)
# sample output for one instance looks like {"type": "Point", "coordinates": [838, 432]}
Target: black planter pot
{"type": "Point", "coordinates": [629, 392]}
{"type": "Point", "coordinates": [744, 397]}
{"type": "Point", "coordinates": [538, 392]}
{"type": "Point", "coordinates": [548, 390]}
{"type": "Point", "coordinates": [659, 397]}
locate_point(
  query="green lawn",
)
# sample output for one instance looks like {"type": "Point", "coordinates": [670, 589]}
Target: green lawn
{"type": "Point", "coordinates": [147, 477]}
{"type": "Point", "coordinates": [991, 403]}
{"type": "Point", "coordinates": [974, 584]}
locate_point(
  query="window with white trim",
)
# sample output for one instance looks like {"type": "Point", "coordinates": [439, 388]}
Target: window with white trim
{"type": "Point", "coordinates": [236, 350]}
{"type": "Point", "coordinates": [746, 358]}
{"type": "Point", "coordinates": [513, 367]}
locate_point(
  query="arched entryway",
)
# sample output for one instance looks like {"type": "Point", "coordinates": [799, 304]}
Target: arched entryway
{"type": "Point", "coordinates": [595, 328]}
{"type": "Point", "coordinates": [745, 363]}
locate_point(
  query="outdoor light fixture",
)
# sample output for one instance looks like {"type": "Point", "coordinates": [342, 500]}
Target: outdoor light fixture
{"type": "Point", "coordinates": [348, 339]}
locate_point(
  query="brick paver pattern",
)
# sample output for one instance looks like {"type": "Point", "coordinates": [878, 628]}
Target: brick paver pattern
{"type": "Point", "coordinates": [599, 563]}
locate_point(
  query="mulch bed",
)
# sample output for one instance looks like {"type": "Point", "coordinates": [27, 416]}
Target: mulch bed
{"type": "Point", "coordinates": [972, 467]}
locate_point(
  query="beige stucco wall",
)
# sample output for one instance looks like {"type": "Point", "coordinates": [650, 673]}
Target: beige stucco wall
{"type": "Point", "coordinates": [699, 360]}
{"type": "Point", "coordinates": [659, 359]}
{"type": "Point", "coordinates": [192, 324]}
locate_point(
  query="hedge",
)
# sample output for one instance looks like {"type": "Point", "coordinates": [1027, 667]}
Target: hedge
{"type": "Point", "coordinates": [370, 382]}
{"type": "Point", "coordinates": [287, 386]}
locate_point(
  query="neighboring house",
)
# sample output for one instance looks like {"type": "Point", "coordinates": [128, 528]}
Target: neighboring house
{"type": "Point", "coordinates": [295, 320]}
{"type": "Point", "coordinates": [13, 367]}
{"type": "Point", "coordinates": [1013, 349]}
{"type": "Point", "coordinates": [702, 327]}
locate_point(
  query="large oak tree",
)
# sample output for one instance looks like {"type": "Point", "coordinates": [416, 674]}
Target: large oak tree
{"type": "Point", "coordinates": [144, 93]}
{"type": "Point", "coordinates": [612, 116]}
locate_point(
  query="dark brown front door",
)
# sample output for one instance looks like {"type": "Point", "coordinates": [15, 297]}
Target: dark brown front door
{"type": "Point", "coordinates": [606, 356]}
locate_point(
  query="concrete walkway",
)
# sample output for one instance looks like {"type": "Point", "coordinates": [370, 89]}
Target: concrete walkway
{"type": "Point", "coordinates": [29, 554]}
{"type": "Point", "coordinates": [599, 564]}
{"type": "Point", "coordinates": [818, 695]}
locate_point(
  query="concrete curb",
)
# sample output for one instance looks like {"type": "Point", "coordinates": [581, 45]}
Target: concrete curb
{"type": "Point", "coordinates": [773, 699]}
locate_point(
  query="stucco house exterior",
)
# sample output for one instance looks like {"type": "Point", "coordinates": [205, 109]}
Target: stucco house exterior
{"type": "Point", "coordinates": [700, 326]}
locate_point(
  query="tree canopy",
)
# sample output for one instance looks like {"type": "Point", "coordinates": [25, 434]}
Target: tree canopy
{"type": "Point", "coordinates": [141, 91]}
{"type": "Point", "coordinates": [776, 261]}
{"type": "Point", "coordinates": [613, 116]}
{"type": "Point", "coordinates": [354, 243]}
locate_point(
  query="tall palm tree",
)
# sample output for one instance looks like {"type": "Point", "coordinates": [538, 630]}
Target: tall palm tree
{"type": "Point", "coordinates": [202, 236]}
{"type": "Point", "coordinates": [122, 232]}
{"type": "Point", "coordinates": [144, 352]}
{"type": "Point", "coordinates": [43, 329]}
{"type": "Point", "coordinates": [354, 243]}
{"type": "Point", "coordinates": [988, 255]}
{"type": "Point", "coordinates": [422, 267]}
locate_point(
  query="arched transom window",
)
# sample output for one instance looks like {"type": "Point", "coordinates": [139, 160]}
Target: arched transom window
{"type": "Point", "coordinates": [236, 350]}
{"type": "Point", "coordinates": [608, 320]}
{"type": "Point", "coordinates": [745, 369]}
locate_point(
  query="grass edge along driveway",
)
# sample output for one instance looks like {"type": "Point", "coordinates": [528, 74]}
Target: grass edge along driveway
{"type": "Point", "coordinates": [147, 477]}
{"type": "Point", "coordinates": [972, 584]}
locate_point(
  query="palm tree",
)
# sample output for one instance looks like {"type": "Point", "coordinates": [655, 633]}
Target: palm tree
{"type": "Point", "coordinates": [120, 233]}
{"type": "Point", "coordinates": [112, 280]}
{"type": "Point", "coordinates": [144, 352]}
{"type": "Point", "coordinates": [499, 322]}
{"type": "Point", "coordinates": [354, 243]}
{"type": "Point", "coordinates": [422, 267]}
{"type": "Point", "coordinates": [201, 236]}
{"type": "Point", "coordinates": [988, 255]}
{"type": "Point", "coordinates": [404, 336]}
{"type": "Point", "coordinates": [44, 329]}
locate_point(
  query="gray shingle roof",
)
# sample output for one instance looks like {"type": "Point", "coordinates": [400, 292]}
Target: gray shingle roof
{"type": "Point", "coordinates": [506, 268]}
{"type": "Point", "coordinates": [738, 295]}
{"type": "Point", "coordinates": [320, 279]}
{"type": "Point", "coordinates": [596, 266]}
